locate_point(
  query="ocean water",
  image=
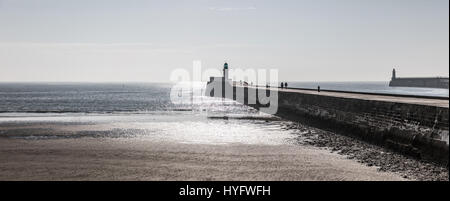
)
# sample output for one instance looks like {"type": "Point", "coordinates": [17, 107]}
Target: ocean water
{"type": "Point", "coordinates": [151, 97]}
{"type": "Point", "coordinates": [83, 98]}
{"type": "Point", "coordinates": [142, 110]}
{"type": "Point", "coordinates": [53, 111]}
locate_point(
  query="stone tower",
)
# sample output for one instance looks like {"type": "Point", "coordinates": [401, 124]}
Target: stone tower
{"type": "Point", "coordinates": [393, 74]}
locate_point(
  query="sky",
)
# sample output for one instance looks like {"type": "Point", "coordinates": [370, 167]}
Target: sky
{"type": "Point", "coordinates": [144, 41]}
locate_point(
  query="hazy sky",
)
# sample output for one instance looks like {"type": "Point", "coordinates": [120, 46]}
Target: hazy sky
{"type": "Point", "coordinates": [307, 40]}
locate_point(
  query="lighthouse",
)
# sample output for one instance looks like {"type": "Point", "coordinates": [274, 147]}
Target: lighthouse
{"type": "Point", "coordinates": [225, 71]}
{"type": "Point", "coordinates": [393, 74]}
{"type": "Point", "coordinates": [219, 84]}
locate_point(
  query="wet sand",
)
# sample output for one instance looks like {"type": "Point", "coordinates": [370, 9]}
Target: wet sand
{"type": "Point", "coordinates": [371, 155]}
{"type": "Point", "coordinates": [141, 159]}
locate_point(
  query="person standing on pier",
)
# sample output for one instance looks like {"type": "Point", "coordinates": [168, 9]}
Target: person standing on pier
{"type": "Point", "coordinates": [285, 85]}
{"type": "Point", "coordinates": [318, 88]}
{"type": "Point", "coordinates": [281, 85]}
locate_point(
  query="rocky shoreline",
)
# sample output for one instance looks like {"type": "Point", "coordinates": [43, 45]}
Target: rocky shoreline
{"type": "Point", "coordinates": [369, 154]}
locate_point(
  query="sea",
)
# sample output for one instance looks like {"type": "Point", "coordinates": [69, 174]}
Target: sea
{"type": "Point", "coordinates": [133, 110]}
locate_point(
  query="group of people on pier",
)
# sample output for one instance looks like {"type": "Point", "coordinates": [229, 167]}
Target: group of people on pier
{"type": "Point", "coordinates": [284, 85]}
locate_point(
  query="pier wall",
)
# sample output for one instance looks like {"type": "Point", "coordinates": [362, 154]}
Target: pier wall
{"type": "Point", "coordinates": [417, 130]}
{"type": "Point", "coordinates": [420, 82]}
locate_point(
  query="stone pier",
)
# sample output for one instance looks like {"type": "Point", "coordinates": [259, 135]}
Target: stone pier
{"type": "Point", "coordinates": [414, 125]}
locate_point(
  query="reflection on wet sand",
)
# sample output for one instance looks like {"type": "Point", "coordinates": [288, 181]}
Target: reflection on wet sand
{"type": "Point", "coordinates": [168, 148]}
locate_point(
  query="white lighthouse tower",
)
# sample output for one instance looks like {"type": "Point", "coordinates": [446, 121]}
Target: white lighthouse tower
{"type": "Point", "coordinates": [225, 72]}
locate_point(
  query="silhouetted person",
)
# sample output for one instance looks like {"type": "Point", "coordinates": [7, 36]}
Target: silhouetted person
{"type": "Point", "coordinates": [318, 88]}
{"type": "Point", "coordinates": [282, 85]}
{"type": "Point", "coordinates": [285, 85]}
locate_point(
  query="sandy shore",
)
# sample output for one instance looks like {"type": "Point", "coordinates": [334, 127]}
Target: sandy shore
{"type": "Point", "coordinates": [139, 159]}
{"type": "Point", "coordinates": [371, 155]}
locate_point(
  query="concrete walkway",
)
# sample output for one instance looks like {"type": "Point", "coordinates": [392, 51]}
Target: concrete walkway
{"type": "Point", "coordinates": [397, 99]}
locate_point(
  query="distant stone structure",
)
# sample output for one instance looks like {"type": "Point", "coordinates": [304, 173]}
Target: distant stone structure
{"type": "Point", "coordinates": [425, 82]}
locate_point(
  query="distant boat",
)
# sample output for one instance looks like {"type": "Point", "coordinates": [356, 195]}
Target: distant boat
{"type": "Point", "coordinates": [424, 82]}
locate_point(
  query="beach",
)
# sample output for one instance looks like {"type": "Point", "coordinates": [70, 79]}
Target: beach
{"type": "Point", "coordinates": [137, 159]}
